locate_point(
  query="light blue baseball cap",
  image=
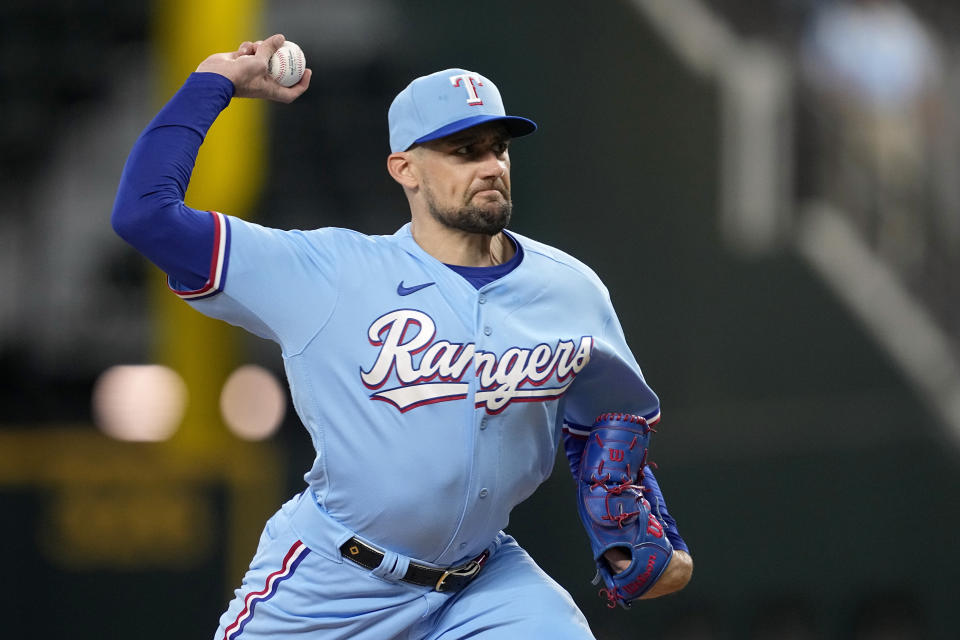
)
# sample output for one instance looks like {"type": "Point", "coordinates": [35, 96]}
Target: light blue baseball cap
{"type": "Point", "coordinates": [445, 102]}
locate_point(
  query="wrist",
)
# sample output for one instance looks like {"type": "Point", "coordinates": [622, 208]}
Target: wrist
{"type": "Point", "coordinates": [197, 104]}
{"type": "Point", "coordinates": [215, 81]}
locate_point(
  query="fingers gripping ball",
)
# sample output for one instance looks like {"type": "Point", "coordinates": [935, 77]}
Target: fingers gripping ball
{"type": "Point", "coordinates": [287, 65]}
{"type": "Point", "coordinates": [614, 511]}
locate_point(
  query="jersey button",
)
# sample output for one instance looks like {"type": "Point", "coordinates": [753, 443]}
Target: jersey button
{"type": "Point", "coordinates": [483, 493]}
{"type": "Point", "coordinates": [487, 331]}
{"type": "Point", "coordinates": [463, 545]}
{"type": "Point", "coordinates": [483, 424]}
{"type": "Point", "coordinates": [482, 299]}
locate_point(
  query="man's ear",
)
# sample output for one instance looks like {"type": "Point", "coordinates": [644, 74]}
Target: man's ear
{"type": "Point", "coordinates": [402, 168]}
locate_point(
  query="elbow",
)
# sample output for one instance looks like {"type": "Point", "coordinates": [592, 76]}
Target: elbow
{"type": "Point", "coordinates": [122, 220]}
{"type": "Point", "coordinates": [127, 216]}
{"type": "Point", "coordinates": [133, 218]}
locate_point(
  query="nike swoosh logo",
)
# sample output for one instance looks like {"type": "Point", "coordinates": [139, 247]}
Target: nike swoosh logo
{"type": "Point", "coordinates": [405, 291]}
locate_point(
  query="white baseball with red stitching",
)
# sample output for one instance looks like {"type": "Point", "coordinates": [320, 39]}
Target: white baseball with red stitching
{"type": "Point", "coordinates": [286, 66]}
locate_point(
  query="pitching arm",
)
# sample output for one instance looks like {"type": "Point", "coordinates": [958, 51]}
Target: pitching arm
{"type": "Point", "coordinates": [279, 285]}
{"type": "Point", "coordinates": [149, 211]}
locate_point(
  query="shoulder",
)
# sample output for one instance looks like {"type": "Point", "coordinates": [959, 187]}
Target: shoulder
{"type": "Point", "coordinates": [551, 258]}
{"type": "Point", "coordinates": [336, 236]}
{"type": "Point", "coordinates": [330, 240]}
{"type": "Point", "coordinates": [354, 245]}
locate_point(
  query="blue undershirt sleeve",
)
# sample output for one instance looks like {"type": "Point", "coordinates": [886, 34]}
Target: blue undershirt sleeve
{"type": "Point", "coordinates": [149, 211]}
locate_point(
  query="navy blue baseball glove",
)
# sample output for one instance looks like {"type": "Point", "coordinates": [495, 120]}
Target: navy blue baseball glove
{"type": "Point", "coordinates": [614, 511]}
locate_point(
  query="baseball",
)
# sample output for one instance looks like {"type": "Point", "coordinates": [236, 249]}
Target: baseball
{"type": "Point", "coordinates": [286, 66]}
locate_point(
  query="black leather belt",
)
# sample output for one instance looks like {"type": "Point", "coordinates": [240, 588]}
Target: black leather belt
{"type": "Point", "coordinates": [440, 579]}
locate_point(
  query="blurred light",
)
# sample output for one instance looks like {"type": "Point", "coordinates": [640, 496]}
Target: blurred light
{"type": "Point", "coordinates": [253, 403]}
{"type": "Point", "coordinates": [139, 403]}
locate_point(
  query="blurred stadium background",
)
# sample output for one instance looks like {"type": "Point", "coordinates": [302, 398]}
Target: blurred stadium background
{"type": "Point", "coordinates": [769, 190]}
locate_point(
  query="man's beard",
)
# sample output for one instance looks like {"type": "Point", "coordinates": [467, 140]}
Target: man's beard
{"type": "Point", "coordinates": [489, 220]}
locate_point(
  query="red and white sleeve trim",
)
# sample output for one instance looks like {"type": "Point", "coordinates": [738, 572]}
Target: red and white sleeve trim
{"type": "Point", "coordinates": [576, 430]}
{"type": "Point", "coordinates": [218, 259]}
{"type": "Point", "coordinates": [581, 431]}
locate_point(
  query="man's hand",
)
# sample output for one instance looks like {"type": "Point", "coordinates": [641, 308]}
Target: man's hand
{"type": "Point", "coordinates": [618, 559]}
{"type": "Point", "coordinates": [246, 68]}
{"type": "Point", "coordinates": [674, 578]}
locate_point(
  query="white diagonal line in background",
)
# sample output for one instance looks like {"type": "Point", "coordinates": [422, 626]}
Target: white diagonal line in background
{"type": "Point", "coordinates": [898, 322]}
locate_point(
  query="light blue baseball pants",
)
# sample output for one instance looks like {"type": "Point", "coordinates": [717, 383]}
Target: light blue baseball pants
{"type": "Point", "coordinates": [299, 586]}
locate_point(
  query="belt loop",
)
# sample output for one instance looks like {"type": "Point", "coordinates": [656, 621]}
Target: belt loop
{"type": "Point", "coordinates": [387, 566]}
{"type": "Point", "coordinates": [400, 569]}
{"type": "Point", "coordinates": [497, 543]}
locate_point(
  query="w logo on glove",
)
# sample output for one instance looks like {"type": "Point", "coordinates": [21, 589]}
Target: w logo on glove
{"type": "Point", "coordinates": [654, 527]}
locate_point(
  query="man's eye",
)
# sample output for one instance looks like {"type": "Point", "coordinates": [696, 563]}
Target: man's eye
{"type": "Point", "coordinates": [464, 151]}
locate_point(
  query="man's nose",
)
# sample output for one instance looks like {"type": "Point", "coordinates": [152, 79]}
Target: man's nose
{"type": "Point", "coordinates": [493, 166]}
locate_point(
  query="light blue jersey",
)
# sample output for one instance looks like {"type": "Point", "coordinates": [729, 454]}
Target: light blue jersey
{"type": "Point", "coordinates": [434, 407]}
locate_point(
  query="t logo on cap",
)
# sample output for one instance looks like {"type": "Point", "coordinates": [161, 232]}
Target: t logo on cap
{"type": "Point", "coordinates": [467, 81]}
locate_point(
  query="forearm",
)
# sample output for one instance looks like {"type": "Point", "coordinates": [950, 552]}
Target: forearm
{"type": "Point", "coordinates": [149, 211]}
{"type": "Point", "coordinates": [674, 578]}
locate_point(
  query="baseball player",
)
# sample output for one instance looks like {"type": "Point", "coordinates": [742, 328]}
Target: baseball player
{"type": "Point", "coordinates": [436, 370]}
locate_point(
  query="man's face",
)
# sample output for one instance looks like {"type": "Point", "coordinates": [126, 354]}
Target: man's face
{"type": "Point", "coordinates": [466, 179]}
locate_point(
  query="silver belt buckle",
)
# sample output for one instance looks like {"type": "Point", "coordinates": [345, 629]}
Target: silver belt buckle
{"type": "Point", "coordinates": [467, 571]}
